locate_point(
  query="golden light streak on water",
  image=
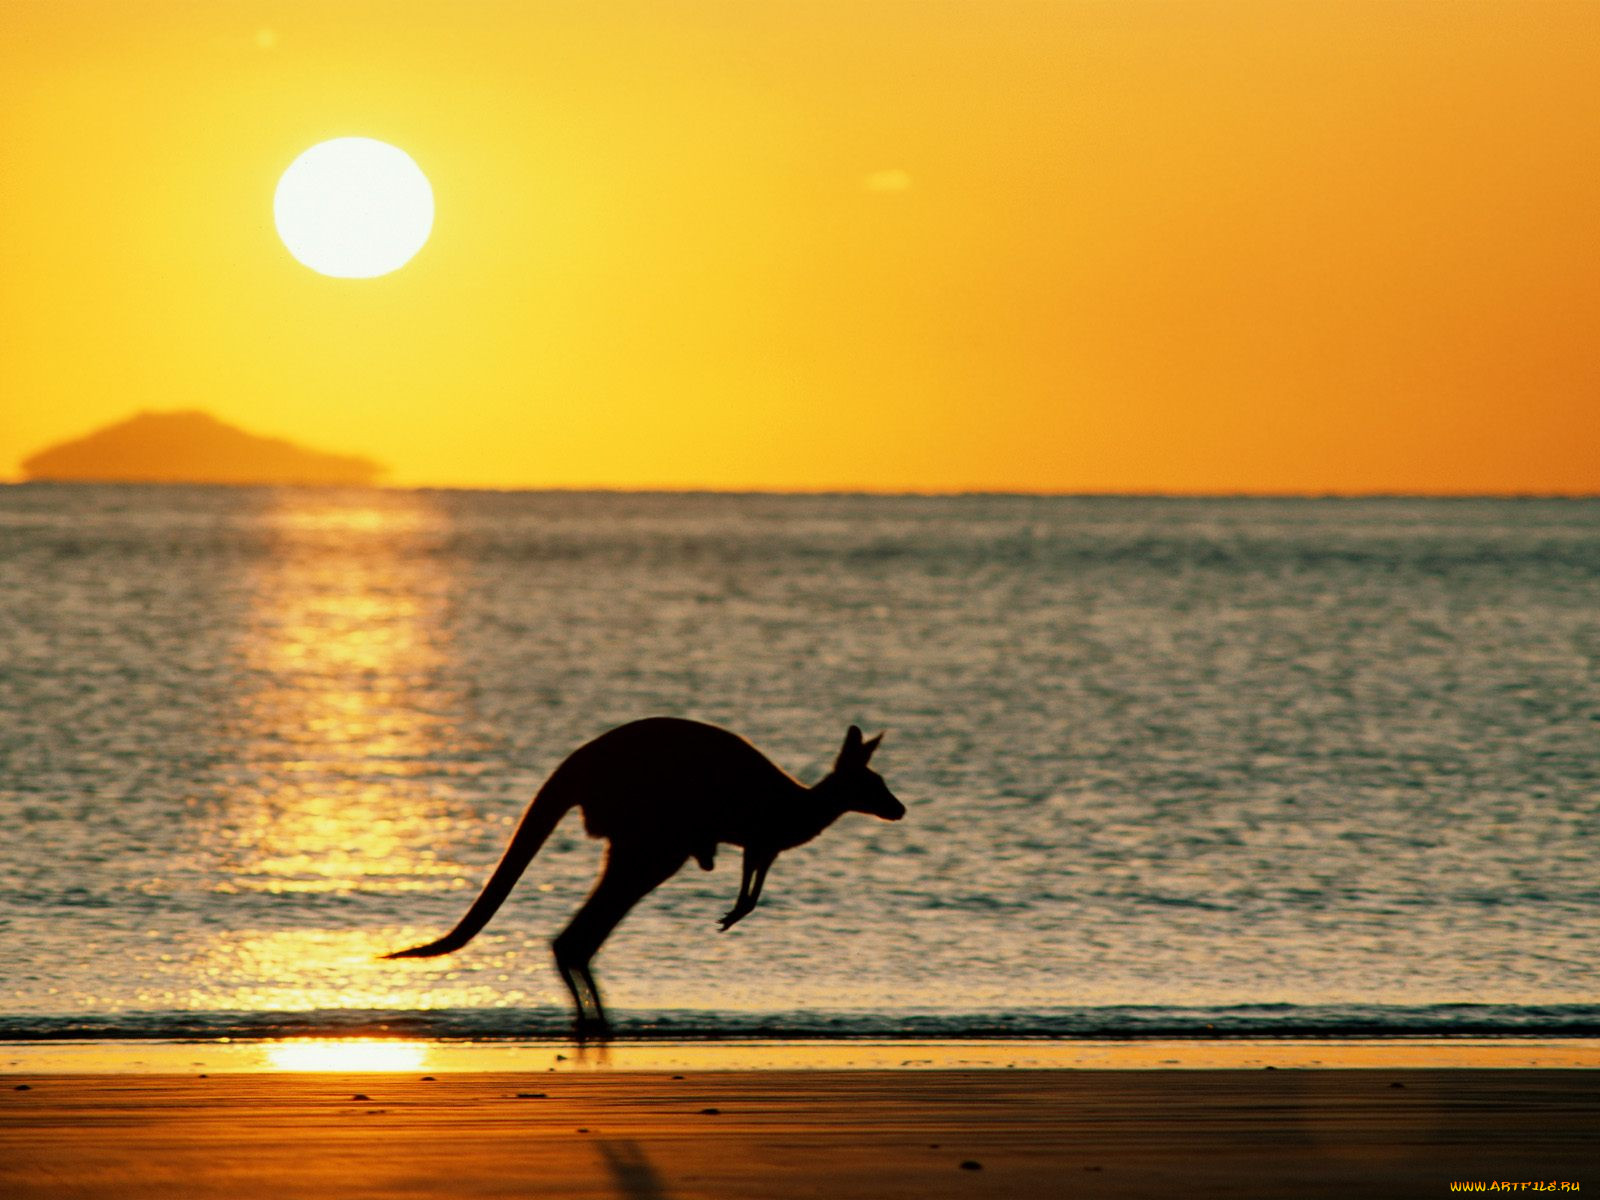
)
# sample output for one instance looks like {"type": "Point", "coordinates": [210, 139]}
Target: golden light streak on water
{"type": "Point", "coordinates": [311, 970]}
{"type": "Point", "coordinates": [346, 643]}
{"type": "Point", "coordinates": [347, 745]}
{"type": "Point", "coordinates": [325, 1054]}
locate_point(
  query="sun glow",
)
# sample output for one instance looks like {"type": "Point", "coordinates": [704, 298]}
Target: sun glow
{"type": "Point", "coordinates": [354, 208]}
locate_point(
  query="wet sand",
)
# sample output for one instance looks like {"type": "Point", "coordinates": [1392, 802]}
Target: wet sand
{"type": "Point", "coordinates": [835, 1134]}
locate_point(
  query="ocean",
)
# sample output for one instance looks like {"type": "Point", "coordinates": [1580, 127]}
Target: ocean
{"type": "Point", "coordinates": [1174, 766]}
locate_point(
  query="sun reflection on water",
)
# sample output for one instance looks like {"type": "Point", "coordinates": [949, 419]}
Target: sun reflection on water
{"type": "Point", "coordinates": [355, 1054]}
{"type": "Point", "coordinates": [349, 745]}
{"type": "Point", "coordinates": [348, 717]}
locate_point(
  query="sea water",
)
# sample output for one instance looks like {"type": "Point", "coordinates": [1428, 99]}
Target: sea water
{"type": "Point", "coordinates": [1172, 765]}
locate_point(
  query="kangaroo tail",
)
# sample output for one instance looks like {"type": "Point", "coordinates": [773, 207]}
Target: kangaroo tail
{"type": "Point", "coordinates": [542, 817]}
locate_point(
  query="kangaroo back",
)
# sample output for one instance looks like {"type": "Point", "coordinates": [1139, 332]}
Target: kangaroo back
{"type": "Point", "coordinates": [543, 814]}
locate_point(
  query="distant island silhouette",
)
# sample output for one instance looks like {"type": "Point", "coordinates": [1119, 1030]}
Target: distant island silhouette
{"type": "Point", "coordinates": [191, 447]}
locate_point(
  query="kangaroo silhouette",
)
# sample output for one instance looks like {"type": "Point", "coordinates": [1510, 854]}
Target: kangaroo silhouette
{"type": "Point", "coordinates": [662, 791]}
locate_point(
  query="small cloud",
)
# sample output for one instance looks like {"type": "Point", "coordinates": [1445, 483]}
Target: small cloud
{"type": "Point", "coordinates": [266, 39]}
{"type": "Point", "coordinates": [893, 180]}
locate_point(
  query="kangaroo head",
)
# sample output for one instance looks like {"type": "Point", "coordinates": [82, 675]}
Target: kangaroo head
{"type": "Point", "coordinates": [856, 786]}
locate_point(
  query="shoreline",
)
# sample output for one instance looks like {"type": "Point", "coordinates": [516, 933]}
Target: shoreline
{"type": "Point", "coordinates": [401, 1055]}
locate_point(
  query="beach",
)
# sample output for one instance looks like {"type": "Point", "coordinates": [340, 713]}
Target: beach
{"type": "Point", "coordinates": [794, 1133]}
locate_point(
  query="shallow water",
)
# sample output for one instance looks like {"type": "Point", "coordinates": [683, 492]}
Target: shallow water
{"type": "Point", "coordinates": [1170, 763]}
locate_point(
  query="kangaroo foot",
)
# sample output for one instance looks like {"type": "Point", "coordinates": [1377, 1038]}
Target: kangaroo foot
{"type": "Point", "coordinates": [588, 1030]}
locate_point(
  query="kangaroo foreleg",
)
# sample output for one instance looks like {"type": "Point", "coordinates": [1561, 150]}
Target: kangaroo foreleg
{"type": "Point", "coordinates": [756, 864]}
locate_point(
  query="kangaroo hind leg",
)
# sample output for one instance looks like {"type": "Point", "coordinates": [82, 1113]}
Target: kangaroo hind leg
{"type": "Point", "coordinates": [630, 874]}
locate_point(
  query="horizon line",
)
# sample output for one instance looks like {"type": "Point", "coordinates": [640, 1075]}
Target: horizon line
{"type": "Point", "coordinates": [845, 490]}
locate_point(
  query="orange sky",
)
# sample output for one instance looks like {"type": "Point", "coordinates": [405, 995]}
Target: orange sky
{"type": "Point", "coordinates": [1290, 246]}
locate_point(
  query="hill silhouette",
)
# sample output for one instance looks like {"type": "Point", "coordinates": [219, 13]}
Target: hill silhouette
{"type": "Point", "coordinates": [191, 447]}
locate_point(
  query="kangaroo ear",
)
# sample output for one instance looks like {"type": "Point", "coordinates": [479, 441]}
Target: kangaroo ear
{"type": "Point", "coordinates": [868, 747]}
{"type": "Point", "coordinates": [850, 752]}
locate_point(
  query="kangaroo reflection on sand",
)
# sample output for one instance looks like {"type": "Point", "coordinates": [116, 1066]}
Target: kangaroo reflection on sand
{"type": "Point", "coordinates": [662, 791]}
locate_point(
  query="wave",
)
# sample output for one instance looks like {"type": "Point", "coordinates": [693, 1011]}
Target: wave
{"type": "Point", "coordinates": [551, 1024]}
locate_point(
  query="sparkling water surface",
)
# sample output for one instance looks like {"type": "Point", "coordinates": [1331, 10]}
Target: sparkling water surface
{"type": "Point", "coordinates": [1326, 763]}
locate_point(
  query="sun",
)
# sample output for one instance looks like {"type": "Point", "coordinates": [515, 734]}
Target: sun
{"type": "Point", "coordinates": [354, 208]}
